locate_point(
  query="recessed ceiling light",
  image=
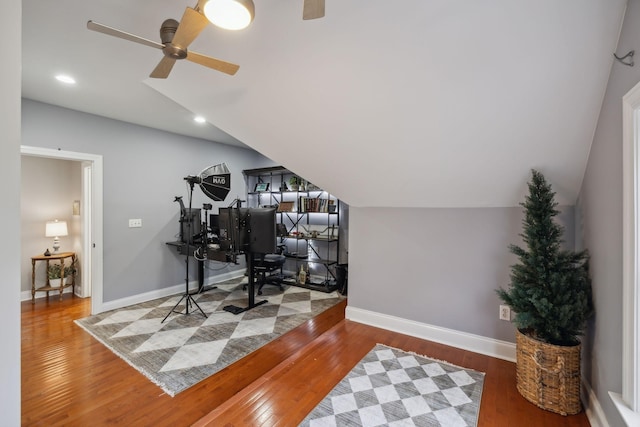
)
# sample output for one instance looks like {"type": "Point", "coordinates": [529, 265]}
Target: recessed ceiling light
{"type": "Point", "coordinates": [65, 79]}
{"type": "Point", "coordinates": [199, 119]}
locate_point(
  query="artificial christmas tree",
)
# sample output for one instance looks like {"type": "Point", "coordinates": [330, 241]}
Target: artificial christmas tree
{"type": "Point", "coordinates": [550, 292]}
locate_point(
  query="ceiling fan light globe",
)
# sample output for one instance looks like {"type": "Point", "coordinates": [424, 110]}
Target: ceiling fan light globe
{"type": "Point", "coordinates": [230, 14]}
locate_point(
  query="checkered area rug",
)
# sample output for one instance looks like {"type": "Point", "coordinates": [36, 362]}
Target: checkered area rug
{"type": "Point", "coordinates": [186, 349]}
{"type": "Point", "coordinates": [390, 387]}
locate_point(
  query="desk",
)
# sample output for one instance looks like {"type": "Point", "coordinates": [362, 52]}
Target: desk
{"type": "Point", "coordinates": [217, 255]}
{"type": "Point", "coordinates": [47, 287]}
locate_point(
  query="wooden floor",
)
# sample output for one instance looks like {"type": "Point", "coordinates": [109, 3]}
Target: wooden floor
{"type": "Point", "coordinates": [69, 379]}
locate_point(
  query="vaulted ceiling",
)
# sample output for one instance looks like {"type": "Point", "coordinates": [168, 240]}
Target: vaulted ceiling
{"type": "Point", "coordinates": [410, 103]}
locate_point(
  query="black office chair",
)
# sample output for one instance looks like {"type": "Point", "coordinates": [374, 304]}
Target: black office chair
{"type": "Point", "coordinates": [268, 269]}
{"type": "Point", "coordinates": [265, 267]}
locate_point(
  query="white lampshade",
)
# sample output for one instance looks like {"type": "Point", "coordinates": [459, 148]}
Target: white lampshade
{"type": "Point", "coordinates": [230, 14]}
{"type": "Point", "coordinates": [56, 229]}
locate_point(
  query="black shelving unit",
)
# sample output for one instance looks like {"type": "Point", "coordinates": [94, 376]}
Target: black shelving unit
{"type": "Point", "coordinates": [310, 224]}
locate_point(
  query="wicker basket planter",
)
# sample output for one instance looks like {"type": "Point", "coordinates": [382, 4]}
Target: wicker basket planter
{"type": "Point", "coordinates": [548, 375]}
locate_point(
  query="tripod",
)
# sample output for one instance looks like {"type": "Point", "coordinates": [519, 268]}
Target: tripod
{"type": "Point", "coordinates": [187, 297]}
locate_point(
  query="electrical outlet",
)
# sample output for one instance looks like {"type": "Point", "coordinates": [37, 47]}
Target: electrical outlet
{"type": "Point", "coordinates": [505, 312]}
{"type": "Point", "coordinates": [135, 223]}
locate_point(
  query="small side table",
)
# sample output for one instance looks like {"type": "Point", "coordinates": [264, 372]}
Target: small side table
{"type": "Point", "coordinates": [47, 287]}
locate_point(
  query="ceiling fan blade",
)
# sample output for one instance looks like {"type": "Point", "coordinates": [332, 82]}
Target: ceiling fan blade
{"type": "Point", "coordinates": [216, 64]}
{"type": "Point", "coordinates": [313, 9]}
{"type": "Point", "coordinates": [163, 68]}
{"type": "Point", "coordinates": [191, 25]}
{"type": "Point", "coordinates": [200, 6]}
{"type": "Point", "coordinates": [101, 28]}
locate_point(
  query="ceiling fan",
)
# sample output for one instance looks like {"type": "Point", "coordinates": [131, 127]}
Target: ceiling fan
{"type": "Point", "coordinates": [176, 37]}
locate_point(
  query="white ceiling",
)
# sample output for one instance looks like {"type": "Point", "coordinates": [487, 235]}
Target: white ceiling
{"type": "Point", "coordinates": [409, 103]}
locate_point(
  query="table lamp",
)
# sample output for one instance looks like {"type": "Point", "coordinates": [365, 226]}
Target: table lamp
{"type": "Point", "coordinates": [56, 229]}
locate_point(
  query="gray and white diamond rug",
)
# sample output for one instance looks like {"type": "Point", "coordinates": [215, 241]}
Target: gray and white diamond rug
{"type": "Point", "coordinates": [390, 387]}
{"type": "Point", "coordinates": [186, 349]}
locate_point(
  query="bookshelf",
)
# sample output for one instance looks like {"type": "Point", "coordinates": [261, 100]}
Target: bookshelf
{"type": "Point", "coordinates": [309, 221]}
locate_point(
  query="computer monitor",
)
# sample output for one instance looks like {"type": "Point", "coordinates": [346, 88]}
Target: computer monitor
{"type": "Point", "coordinates": [261, 231]}
{"type": "Point", "coordinates": [190, 226]}
{"type": "Point", "coordinates": [214, 224]}
{"type": "Point", "coordinates": [229, 230]}
{"type": "Point", "coordinates": [248, 229]}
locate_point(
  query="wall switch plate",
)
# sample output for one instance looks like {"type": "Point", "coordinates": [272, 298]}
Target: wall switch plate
{"type": "Point", "coordinates": [505, 312]}
{"type": "Point", "coordinates": [135, 223]}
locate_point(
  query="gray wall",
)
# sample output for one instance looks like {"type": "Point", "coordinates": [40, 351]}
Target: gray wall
{"type": "Point", "coordinates": [437, 266]}
{"type": "Point", "coordinates": [48, 189]}
{"type": "Point", "coordinates": [143, 172]}
{"type": "Point", "coordinates": [600, 204]}
{"type": "Point", "coordinates": [10, 214]}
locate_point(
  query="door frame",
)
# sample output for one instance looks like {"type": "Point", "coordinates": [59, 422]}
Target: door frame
{"type": "Point", "coordinates": [92, 220]}
{"type": "Point", "coordinates": [628, 403]}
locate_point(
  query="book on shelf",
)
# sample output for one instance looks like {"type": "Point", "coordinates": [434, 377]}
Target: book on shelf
{"type": "Point", "coordinates": [285, 207]}
{"type": "Point", "coordinates": [314, 204]}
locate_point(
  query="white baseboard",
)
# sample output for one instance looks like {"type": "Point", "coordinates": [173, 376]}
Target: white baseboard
{"type": "Point", "coordinates": [26, 295]}
{"type": "Point", "coordinates": [147, 296]}
{"type": "Point", "coordinates": [476, 343]}
{"type": "Point", "coordinates": [592, 407]}
{"type": "Point", "coordinates": [164, 292]}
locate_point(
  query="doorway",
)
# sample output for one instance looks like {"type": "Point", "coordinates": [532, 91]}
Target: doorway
{"type": "Point", "coordinates": [91, 200]}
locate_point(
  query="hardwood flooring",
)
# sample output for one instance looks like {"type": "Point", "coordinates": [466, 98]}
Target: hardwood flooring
{"type": "Point", "coordinates": [70, 379]}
